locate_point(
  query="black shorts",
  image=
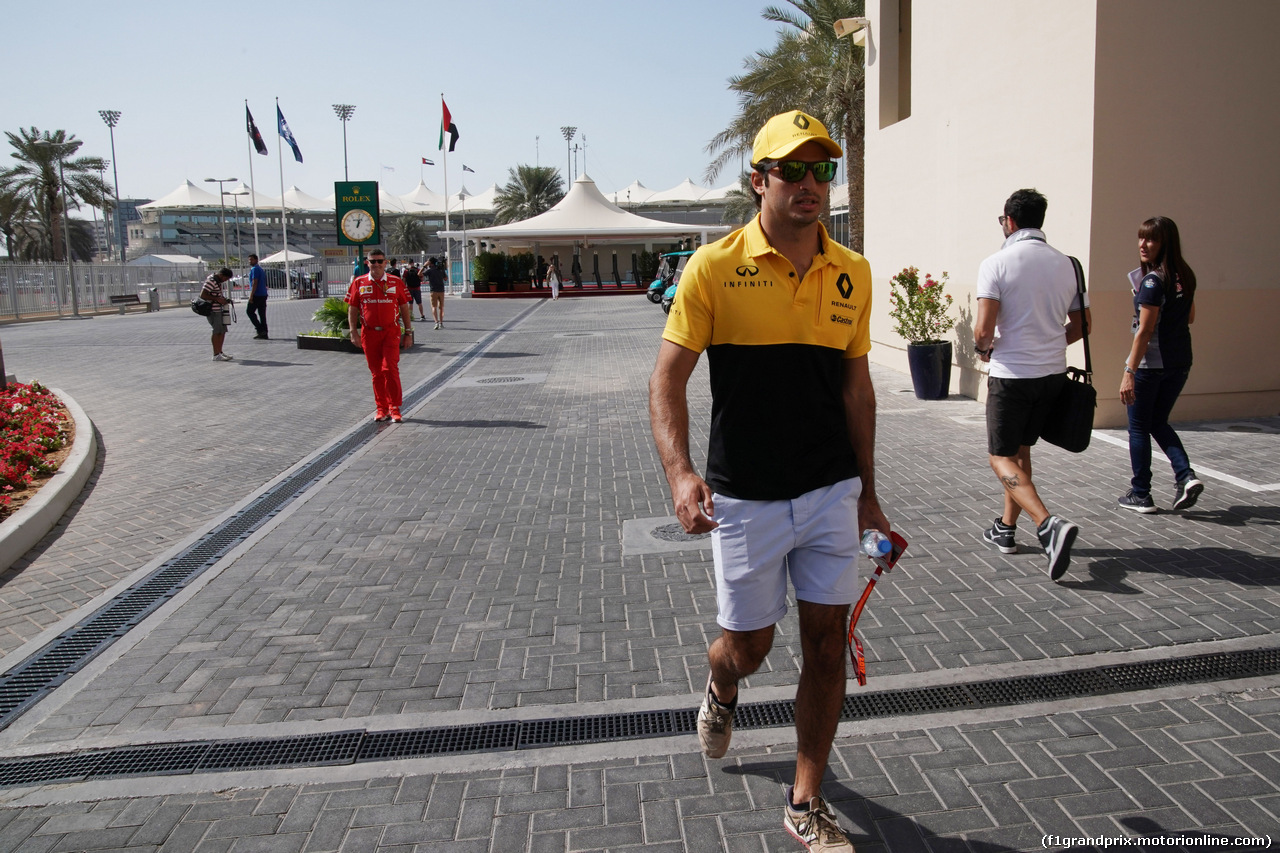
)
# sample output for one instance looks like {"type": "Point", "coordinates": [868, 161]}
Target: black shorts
{"type": "Point", "coordinates": [1016, 410]}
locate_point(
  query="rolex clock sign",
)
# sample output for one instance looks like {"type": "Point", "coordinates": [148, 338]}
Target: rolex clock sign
{"type": "Point", "coordinates": [356, 212]}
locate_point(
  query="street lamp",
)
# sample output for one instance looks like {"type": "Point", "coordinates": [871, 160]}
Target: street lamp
{"type": "Point", "coordinates": [222, 215]}
{"type": "Point", "coordinates": [568, 151]}
{"type": "Point", "coordinates": [235, 204]}
{"type": "Point", "coordinates": [344, 112]}
{"type": "Point", "coordinates": [111, 117]}
{"type": "Point", "coordinates": [66, 223]}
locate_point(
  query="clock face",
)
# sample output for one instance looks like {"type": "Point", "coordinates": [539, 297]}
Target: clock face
{"type": "Point", "coordinates": [357, 225]}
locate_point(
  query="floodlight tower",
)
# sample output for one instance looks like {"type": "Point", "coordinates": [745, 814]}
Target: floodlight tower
{"type": "Point", "coordinates": [344, 112]}
{"type": "Point", "coordinates": [568, 150]}
{"type": "Point", "coordinates": [111, 117]}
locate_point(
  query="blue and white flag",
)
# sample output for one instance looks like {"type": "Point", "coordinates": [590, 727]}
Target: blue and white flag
{"type": "Point", "coordinates": [288, 134]}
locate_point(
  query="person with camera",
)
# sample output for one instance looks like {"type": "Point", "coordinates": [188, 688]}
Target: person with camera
{"type": "Point", "coordinates": [220, 315]}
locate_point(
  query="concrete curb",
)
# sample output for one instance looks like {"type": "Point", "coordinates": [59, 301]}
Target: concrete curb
{"type": "Point", "coordinates": [22, 530]}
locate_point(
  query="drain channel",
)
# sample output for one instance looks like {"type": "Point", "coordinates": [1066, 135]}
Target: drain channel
{"type": "Point", "coordinates": [35, 677]}
{"type": "Point", "coordinates": [358, 746]}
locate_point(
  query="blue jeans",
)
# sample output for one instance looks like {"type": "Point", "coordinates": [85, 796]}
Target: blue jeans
{"type": "Point", "coordinates": [1154, 393]}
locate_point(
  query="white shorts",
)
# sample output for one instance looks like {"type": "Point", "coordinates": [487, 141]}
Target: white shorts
{"type": "Point", "coordinates": [814, 538]}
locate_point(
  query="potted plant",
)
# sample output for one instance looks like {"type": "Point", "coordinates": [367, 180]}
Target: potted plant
{"type": "Point", "coordinates": [336, 334]}
{"type": "Point", "coordinates": [920, 316]}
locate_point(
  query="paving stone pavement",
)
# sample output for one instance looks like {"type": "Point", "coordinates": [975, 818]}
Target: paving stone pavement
{"type": "Point", "coordinates": [468, 565]}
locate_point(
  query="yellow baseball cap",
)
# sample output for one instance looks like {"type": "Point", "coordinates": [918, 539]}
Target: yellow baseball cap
{"type": "Point", "coordinates": [786, 132]}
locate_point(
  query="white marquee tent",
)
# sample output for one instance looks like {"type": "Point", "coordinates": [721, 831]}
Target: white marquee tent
{"type": "Point", "coordinates": [585, 215]}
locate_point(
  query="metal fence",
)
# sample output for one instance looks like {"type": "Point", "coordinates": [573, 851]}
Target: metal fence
{"type": "Point", "coordinates": [30, 291]}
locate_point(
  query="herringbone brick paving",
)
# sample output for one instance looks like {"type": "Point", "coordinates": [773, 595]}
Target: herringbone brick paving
{"type": "Point", "coordinates": [469, 560]}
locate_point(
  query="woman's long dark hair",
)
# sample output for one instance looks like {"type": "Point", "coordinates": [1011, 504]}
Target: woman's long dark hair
{"type": "Point", "coordinates": [1169, 263]}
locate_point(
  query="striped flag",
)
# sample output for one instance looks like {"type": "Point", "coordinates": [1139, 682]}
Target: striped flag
{"type": "Point", "coordinates": [258, 144]}
{"type": "Point", "coordinates": [287, 134]}
{"type": "Point", "coordinates": [447, 126]}
{"type": "Point", "coordinates": [467, 168]}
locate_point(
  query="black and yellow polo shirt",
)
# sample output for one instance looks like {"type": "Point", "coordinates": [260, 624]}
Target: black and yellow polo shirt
{"type": "Point", "coordinates": [776, 347]}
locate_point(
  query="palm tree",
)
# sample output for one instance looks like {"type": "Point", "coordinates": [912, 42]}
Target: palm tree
{"type": "Point", "coordinates": [406, 236]}
{"type": "Point", "coordinates": [36, 181]}
{"type": "Point", "coordinates": [15, 222]}
{"type": "Point", "coordinates": [740, 202]}
{"type": "Point", "coordinates": [809, 69]}
{"type": "Point", "coordinates": [530, 190]}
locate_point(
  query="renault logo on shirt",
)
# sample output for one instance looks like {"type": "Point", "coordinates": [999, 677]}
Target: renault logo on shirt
{"type": "Point", "coordinates": [747, 270]}
{"type": "Point", "coordinates": [845, 285]}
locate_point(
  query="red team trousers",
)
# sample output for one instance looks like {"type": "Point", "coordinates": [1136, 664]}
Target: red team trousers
{"type": "Point", "coordinates": [382, 352]}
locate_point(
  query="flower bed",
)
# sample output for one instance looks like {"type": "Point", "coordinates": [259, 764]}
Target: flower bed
{"type": "Point", "coordinates": [36, 434]}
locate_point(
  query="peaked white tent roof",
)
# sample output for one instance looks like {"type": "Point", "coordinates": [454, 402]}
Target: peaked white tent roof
{"type": "Point", "coordinates": [719, 192]}
{"type": "Point", "coordinates": [245, 197]}
{"type": "Point", "coordinates": [481, 202]}
{"type": "Point", "coordinates": [164, 260]}
{"type": "Point", "coordinates": [686, 190]}
{"type": "Point", "coordinates": [186, 195]}
{"type": "Point", "coordinates": [391, 203]}
{"type": "Point", "coordinates": [585, 214]}
{"type": "Point", "coordinates": [296, 199]}
{"type": "Point", "coordinates": [429, 199]}
{"type": "Point", "coordinates": [284, 255]}
{"type": "Point", "coordinates": [634, 193]}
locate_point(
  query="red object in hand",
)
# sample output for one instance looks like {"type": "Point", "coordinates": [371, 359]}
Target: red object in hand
{"type": "Point", "coordinates": [883, 564]}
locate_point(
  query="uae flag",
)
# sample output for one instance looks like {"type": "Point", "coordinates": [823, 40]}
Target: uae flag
{"type": "Point", "coordinates": [258, 144]}
{"type": "Point", "coordinates": [447, 126]}
{"type": "Point", "coordinates": [427, 162]}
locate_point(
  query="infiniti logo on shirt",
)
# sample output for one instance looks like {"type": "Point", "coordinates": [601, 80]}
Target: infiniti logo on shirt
{"type": "Point", "coordinates": [747, 270]}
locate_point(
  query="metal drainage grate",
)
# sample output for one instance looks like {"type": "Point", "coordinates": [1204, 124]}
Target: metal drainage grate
{"type": "Point", "coordinates": [349, 747]}
{"type": "Point", "coordinates": [498, 380]}
{"type": "Point", "coordinates": [32, 679]}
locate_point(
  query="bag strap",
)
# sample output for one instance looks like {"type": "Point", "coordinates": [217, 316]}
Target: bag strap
{"type": "Point", "coordinates": [1088, 362]}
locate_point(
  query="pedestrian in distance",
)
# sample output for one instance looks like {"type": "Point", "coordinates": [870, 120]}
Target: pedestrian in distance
{"type": "Point", "coordinates": [1164, 292]}
{"type": "Point", "coordinates": [256, 310]}
{"type": "Point", "coordinates": [219, 316]}
{"type": "Point", "coordinates": [553, 276]}
{"type": "Point", "coordinates": [413, 280]}
{"type": "Point", "coordinates": [381, 324]}
{"type": "Point", "coordinates": [435, 283]}
{"type": "Point", "coordinates": [783, 313]}
{"type": "Point", "coordinates": [1028, 313]}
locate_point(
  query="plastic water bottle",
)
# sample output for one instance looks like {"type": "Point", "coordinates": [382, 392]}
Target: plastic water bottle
{"type": "Point", "coordinates": [875, 543]}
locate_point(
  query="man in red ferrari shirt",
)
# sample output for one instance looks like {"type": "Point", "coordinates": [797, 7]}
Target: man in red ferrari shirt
{"type": "Point", "coordinates": [381, 324]}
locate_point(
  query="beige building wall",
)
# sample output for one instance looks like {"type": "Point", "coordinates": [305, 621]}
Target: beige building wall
{"type": "Point", "coordinates": [1060, 97]}
{"type": "Point", "coordinates": [1186, 126]}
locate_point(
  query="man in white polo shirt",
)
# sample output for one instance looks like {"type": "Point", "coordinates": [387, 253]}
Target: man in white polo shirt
{"type": "Point", "coordinates": [1025, 293]}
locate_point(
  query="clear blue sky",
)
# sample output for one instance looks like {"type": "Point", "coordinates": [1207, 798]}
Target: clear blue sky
{"type": "Point", "coordinates": [645, 82]}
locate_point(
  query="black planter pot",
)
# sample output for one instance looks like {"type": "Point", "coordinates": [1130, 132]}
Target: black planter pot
{"type": "Point", "coordinates": [930, 369]}
{"type": "Point", "coordinates": [327, 344]}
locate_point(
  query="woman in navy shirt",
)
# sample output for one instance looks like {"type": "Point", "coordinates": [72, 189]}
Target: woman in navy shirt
{"type": "Point", "coordinates": [1164, 290]}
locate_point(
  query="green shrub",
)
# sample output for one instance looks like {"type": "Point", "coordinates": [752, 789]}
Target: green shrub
{"type": "Point", "coordinates": [333, 316]}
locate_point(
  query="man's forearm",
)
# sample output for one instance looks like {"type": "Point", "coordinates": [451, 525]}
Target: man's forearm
{"type": "Point", "coordinates": [669, 421]}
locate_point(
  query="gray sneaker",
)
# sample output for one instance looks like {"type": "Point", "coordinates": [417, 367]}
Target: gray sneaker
{"type": "Point", "coordinates": [1187, 494]}
{"type": "Point", "coordinates": [1056, 535]}
{"type": "Point", "coordinates": [1000, 535]}
{"type": "Point", "coordinates": [715, 724]}
{"type": "Point", "coordinates": [1137, 503]}
{"type": "Point", "coordinates": [816, 828]}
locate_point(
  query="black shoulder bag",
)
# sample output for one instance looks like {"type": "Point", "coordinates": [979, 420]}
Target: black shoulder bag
{"type": "Point", "coordinates": [1070, 421]}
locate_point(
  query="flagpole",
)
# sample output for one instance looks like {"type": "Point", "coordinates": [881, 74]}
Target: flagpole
{"type": "Point", "coordinates": [284, 210]}
{"type": "Point", "coordinates": [253, 192]}
{"type": "Point", "coordinates": [444, 153]}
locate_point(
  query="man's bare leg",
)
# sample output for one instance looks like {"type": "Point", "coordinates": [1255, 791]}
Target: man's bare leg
{"type": "Point", "coordinates": [820, 696]}
{"type": "Point", "coordinates": [733, 656]}
{"type": "Point", "coordinates": [1014, 473]}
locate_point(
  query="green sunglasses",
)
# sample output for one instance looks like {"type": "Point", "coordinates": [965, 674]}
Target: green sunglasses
{"type": "Point", "coordinates": [793, 171]}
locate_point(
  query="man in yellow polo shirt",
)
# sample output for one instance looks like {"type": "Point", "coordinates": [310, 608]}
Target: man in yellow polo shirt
{"type": "Point", "coordinates": [783, 313]}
